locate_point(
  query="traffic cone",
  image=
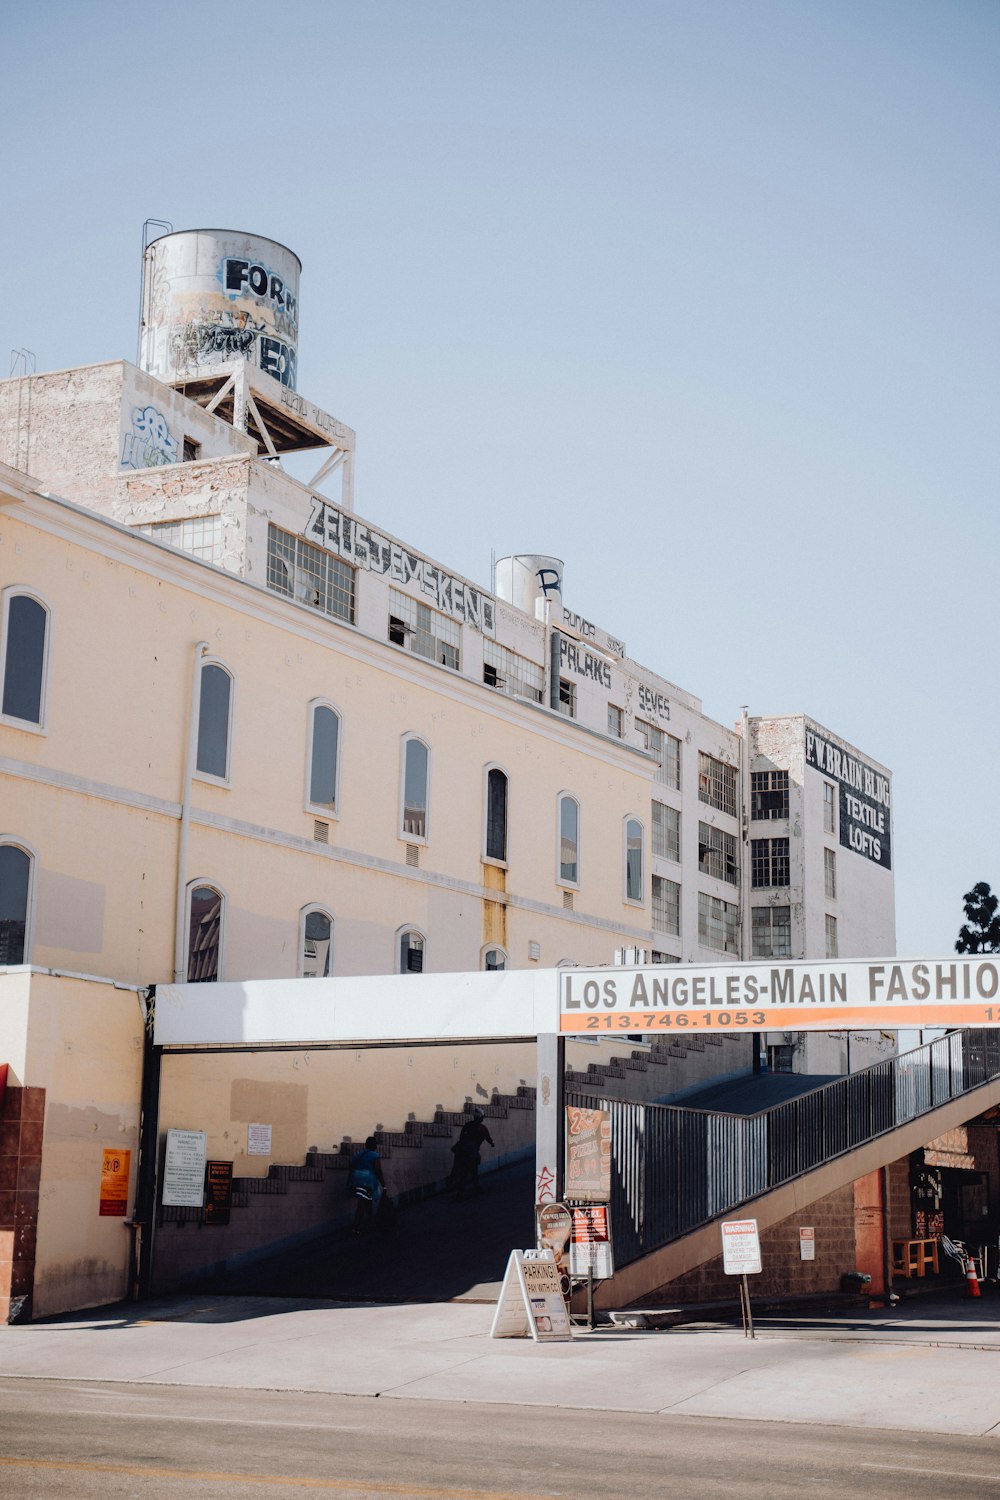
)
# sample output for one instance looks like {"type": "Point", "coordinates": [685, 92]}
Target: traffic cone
{"type": "Point", "coordinates": [971, 1279]}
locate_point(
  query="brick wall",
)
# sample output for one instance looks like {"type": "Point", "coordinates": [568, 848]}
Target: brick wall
{"type": "Point", "coordinates": [784, 1273]}
{"type": "Point", "coordinates": [22, 1116]}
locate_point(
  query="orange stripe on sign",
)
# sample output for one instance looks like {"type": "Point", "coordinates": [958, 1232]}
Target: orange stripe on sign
{"type": "Point", "coordinates": [780, 1018]}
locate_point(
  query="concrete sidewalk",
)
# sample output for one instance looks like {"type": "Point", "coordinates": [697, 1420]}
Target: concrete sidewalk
{"type": "Point", "coordinates": [921, 1367]}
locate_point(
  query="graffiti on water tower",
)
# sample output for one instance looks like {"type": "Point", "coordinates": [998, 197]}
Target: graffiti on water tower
{"type": "Point", "coordinates": [150, 444]}
{"type": "Point", "coordinates": [240, 276]}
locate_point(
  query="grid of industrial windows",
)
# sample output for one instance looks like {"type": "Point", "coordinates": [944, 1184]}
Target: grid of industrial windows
{"type": "Point", "coordinates": [301, 571]}
{"type": "Point", "coordinates": [772, 931]}
{"type": "Point", "coordinates": [616, 721]}
{"type": "Point", "coordinates": [666, 748]}
{"type": "Point", "coordinates": [769, 863]}
{"type": "Point", "coordinates": [830, 874]}
{"type": "Point", "coordinates": [666, 831]}
{"type": "Point", "coordinates": [718, 924]}
{"type": "Point", "coordinates": [717, 853]}
{"type": "Point", "coordinates": [832, 950]}
{"type": "Point", "coordinates": [769, 794]}
{"type": "Point", "coordinates": [716, 783]}
{"type": "Point", "coordinates": [201, 536]}
{"type": "Point", "coordinates": [829, 809]}
{"type": "Point", "coordinates": [666, 905]}
{"type": "Point", "coordinates": [657, 957]}
{"type": "Point", "coordinates": [422, 630]}
{"type": "Point", "coordinates": [511, 673]}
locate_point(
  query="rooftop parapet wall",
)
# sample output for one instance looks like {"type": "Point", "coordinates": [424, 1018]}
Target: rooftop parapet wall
{"type": "Point", "coordinates": [79, 429]}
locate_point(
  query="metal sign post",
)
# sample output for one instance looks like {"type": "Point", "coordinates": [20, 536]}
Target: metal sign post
{"type": "Point", "coordinates": [741, 1257]}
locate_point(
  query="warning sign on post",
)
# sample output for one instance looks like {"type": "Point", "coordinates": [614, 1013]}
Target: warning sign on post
{"type": "Point", "coordinates": [741, 1248]}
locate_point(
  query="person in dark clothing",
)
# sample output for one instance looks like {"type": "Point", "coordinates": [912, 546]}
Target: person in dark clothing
{"type": "Point", "coordinates": [466, 1151]}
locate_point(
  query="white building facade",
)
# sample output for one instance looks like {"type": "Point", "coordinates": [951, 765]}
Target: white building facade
{"type": "Point", "coordinates": [246, 732]}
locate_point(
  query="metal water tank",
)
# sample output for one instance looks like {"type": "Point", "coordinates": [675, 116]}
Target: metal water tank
{"type": "Point", "coordinates": [528, 578]}
{"type": "Point", "coordinates": [210, 296]}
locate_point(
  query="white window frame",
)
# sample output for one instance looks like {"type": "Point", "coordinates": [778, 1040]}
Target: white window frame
{"type": "Point", "coordinates": [19, 591]}
{"type": "Point", "coordinates": [665, 880]}
{"type": "Point", "coordinates": [401, 932]}
{"type": "Point", "coordinates": [413, 838]}
{"type": "Point", "coordinates": [323, 809]}
{"type": "Point", "coordinates": [207, 882]}
{"type": "Point", "coordinates": [209, 776]}
{"type": "Point", "coordinates": [493, 948]}
{"type": "Point", "coordinates": [668, 808]}
{"type": "Point", "coordinates": [491, 859]}
{"type": "Point", "coordinates": [830, 801]}
{"type": "Point", "coordinates": [830, 874]}
{"type": "Point", "coordinates": [830, 933]}
{"type": "Point", "coordinates": [29, 908]}
{"type": "Point", "coordinates": [304, 914]}
{"type": "Point", "coordinates": [561, 879]}
{"type": "Point", "coordinates": [641, 899]}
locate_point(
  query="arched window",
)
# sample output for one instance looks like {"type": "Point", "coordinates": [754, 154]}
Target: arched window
{"type": "Point", "coordinates": [324, 757]}
{"type": "Point", "coordinates": [15, 890]}
{"type": "Point", "coordinates": [416, 761]}
{"type": "Point", "coordinates": [411, 951]}
{"type": "Point", "coordinates": [569, 840]}
{"type": "Point", "coordinates": [206, 908]}
{"type": "Point", "coordinates": [215, 710]}
{"type": "Point", "coordinates": [496, 814]}
{"type": "Point", "coordinates": [25, 656]}
{"type": "Point", "coordinates": [633, 860]}
{"type": "Point", "coordinates": [494, 959]}
{"type": "Point", "coordinates": [317, 944]}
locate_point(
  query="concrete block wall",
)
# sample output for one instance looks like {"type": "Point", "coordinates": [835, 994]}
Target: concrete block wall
{"type": "Point", "coordinates": [784, 1273]}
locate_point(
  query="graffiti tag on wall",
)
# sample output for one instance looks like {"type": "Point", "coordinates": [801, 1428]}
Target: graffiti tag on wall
{"type": "Point", "coordinates": [150, 444]}
{"type": "Point", "coordinates": [359, 544]}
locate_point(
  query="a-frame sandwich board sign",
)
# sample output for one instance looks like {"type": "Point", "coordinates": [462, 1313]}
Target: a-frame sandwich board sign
{"type": "Point", "coordinates": [531, 1303]}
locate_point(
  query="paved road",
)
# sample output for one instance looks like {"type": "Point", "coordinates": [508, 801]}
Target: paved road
{"type": "Point", "coordinates": [93, 1441]}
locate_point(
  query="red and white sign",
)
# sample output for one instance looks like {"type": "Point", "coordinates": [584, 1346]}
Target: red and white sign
{"type": "Point", "coordinates": [807, 1244]}
{"type": "Point", "coordinates": [741, 1248]}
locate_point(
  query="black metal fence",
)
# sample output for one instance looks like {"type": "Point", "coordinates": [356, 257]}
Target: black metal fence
{"type": "Point", "coordinates": [675, 1168]}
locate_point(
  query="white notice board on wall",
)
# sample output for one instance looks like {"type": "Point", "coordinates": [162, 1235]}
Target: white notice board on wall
{"type": "Point", "coordinates": [184, 1169]}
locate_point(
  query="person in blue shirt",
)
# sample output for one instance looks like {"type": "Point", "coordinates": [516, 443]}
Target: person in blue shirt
{"type": "Point", "coordinates": [367, 1184]}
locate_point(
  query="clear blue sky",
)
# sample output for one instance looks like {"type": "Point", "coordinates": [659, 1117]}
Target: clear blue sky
{"type": "Point", "coordinates": [701, 297]}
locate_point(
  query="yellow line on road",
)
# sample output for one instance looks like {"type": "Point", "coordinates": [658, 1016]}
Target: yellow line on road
{"type": "Point", "coordinates": [303, 1481]}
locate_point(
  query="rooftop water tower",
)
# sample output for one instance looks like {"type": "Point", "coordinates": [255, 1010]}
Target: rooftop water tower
{"type": "Point", "coordinates": [211, 296]}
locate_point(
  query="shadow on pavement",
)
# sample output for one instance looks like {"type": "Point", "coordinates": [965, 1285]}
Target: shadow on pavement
{"type": "Point", "coordinates": [439, 1250]}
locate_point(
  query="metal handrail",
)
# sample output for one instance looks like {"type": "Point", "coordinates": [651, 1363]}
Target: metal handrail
{"type": "Point", "coordinates": [675, 1168]}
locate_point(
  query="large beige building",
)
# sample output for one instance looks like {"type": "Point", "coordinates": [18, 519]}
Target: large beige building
{"type": "Point", "coordinates": [247, 733]}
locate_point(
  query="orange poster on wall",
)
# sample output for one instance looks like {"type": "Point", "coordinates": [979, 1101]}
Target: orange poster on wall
{"type": "Point", "coordinates": [114, 1183]}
